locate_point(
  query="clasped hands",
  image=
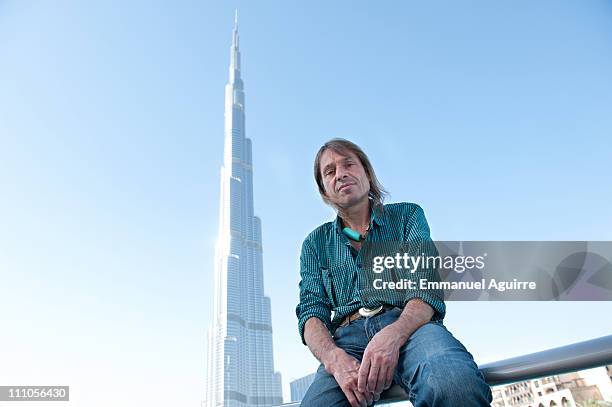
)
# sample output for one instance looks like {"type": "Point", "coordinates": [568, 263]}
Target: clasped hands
{"type": "Point", "coordinates": [362, 383]}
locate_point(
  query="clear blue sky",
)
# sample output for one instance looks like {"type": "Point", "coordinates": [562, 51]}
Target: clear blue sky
{"type": "Point", "coordinates": [494, 116]}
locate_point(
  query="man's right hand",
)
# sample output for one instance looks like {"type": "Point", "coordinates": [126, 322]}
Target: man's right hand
{"type": "Point", "coordinates": [345, 369]}
{"type": "Point", "coordinates": [338, 363]}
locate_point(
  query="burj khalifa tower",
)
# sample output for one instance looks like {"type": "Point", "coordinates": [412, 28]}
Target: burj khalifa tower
{"type": "Point", "coordinates": [240, 368]}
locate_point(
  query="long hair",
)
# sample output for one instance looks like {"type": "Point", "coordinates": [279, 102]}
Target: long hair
{"type": "Point", "coordinates": [339, 145]}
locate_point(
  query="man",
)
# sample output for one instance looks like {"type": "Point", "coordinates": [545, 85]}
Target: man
{"type": "Point", "coordinates": [388, 337]}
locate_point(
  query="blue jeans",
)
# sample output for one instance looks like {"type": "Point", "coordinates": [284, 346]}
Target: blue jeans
{"type": "Point", "coordinates": [433, 368]}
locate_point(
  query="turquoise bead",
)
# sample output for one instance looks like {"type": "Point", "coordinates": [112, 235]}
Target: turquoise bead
{"type": "Point", "coordinates": [351, 234]}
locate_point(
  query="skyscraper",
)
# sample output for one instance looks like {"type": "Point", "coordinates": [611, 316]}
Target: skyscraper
{"type": "Point", "coordinates": [240, 369]}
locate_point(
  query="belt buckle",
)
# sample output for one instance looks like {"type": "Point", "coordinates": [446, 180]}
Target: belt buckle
{"type": "Point", "coordinates": [368, 312]}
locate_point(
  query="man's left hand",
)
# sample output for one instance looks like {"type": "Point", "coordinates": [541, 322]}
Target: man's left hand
{"type": "Point", "coordinates": [380, 360]}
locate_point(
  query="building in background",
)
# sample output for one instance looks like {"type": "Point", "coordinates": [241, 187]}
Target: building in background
{"type": "Point", "coordinates": [300, 386]}
{"type": "Point", "coordinates": [565, 390]}
{"type": "Point", "coordinates": [240, 363]}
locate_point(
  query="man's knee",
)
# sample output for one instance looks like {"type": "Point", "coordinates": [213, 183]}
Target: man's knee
{"type": "Point", "coordinates": [455, 379]}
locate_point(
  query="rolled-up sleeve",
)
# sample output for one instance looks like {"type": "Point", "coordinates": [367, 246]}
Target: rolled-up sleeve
{"type": "Point", "coordinates": [418, 232]}
{"type": "Point", "coordinates": [313, 298]}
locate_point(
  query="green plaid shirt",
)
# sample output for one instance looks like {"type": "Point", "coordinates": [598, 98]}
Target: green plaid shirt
{"type": "Point", "coordinates": [331, 269]}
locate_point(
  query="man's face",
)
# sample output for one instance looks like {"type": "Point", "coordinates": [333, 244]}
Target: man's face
{"type": "Point", "coordinates": [344, 178]}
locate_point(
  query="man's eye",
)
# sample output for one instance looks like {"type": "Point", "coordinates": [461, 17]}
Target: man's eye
{"type": "Point", "coordinates": [329, 172]}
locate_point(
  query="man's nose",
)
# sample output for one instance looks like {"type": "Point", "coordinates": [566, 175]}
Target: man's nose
{"type": "Point", "coordinates": [340, 173]}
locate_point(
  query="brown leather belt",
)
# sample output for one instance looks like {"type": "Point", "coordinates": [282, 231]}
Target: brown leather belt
{"type": "Point", "coordinates": [360, 313]}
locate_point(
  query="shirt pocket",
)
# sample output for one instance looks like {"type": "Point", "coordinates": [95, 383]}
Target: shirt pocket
{"type": "Point", "coordinates": [328, 284]}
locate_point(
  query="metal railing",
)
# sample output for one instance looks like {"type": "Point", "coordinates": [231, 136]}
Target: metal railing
{"type": "Point", "coordinates": [564, 359]}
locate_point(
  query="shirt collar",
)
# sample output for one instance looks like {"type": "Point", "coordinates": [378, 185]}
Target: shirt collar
{"type": "Point", "coordinates": [377, 217]}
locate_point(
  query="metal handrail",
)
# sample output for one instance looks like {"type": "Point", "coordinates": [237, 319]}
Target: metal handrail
{"type": "Point", "coordinates": [564, 359]}
{"type": "Point", "coordinates": [569, 358]}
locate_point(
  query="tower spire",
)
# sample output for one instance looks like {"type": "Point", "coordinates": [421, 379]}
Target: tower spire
{"type": "Point", "coordinates": [235, 32]}
{"type": "Point", "coordinates": [234, 69]}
